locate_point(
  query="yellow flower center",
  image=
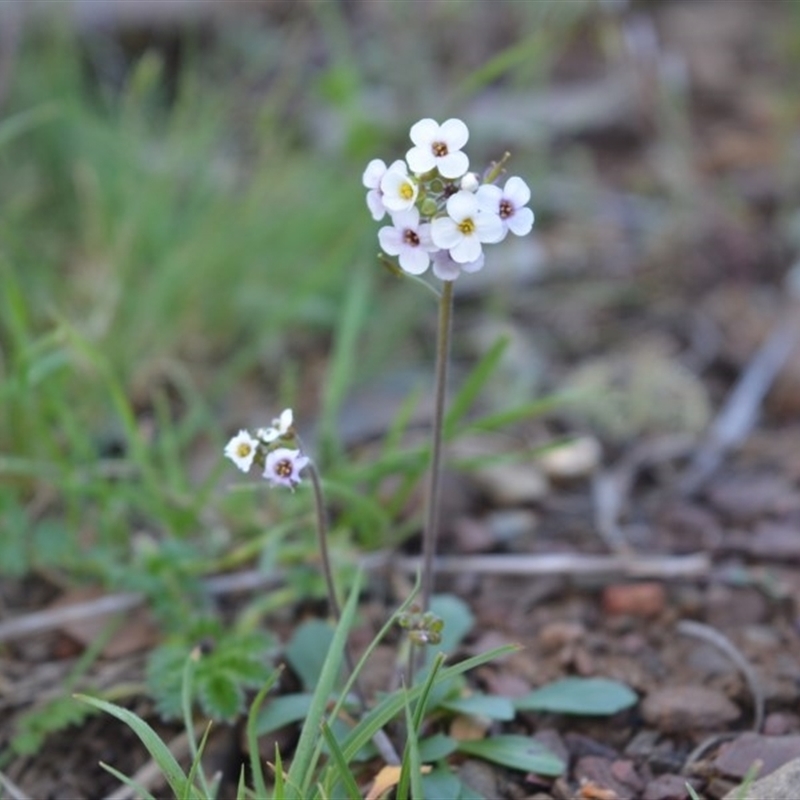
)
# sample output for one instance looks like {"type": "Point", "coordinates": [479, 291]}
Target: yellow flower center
{"type": "Point", "coordinates": [467, 226]}
{"type": "Point", "coordinates": [439, 149]}
{"type": "Point", "coordinates": [406, 191]}
{"type": "Point", "coordinates": [243, 449]}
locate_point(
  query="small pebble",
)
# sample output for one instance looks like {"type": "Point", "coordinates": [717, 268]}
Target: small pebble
{"type": "Point", "coordinates": [683, 709]}
{"type": "Point", "coordinates": [646, 599]}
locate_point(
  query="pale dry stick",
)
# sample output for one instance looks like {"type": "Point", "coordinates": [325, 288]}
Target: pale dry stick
{"type": "Point", "coordinates": [697, 565]}
{"type": "Point", "coordinates": [611, 487]}
{"type": "Point", "coordinates": [11, 789]}
{"type": "Point", "coordinates": [712, 636]}
{"type": "Point", "coordinates": [739, 413]}
{"type": "Point", "coordinates": [43, 621]}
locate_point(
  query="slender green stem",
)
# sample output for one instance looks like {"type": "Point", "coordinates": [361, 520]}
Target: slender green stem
{"type": "Point", "coordinates": [322, 538]}
{"type": "Point", "coordinates": [381, 740]}
{"type": "Point", "coordinates": [431, 531]}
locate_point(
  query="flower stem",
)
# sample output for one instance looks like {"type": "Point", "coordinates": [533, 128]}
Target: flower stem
{"type": "Point", "coordinates": [322, 538]}
{"type": "Point", "coordinates": [380, 739]}
{"type": "Point", "coordinates": [431, 530]}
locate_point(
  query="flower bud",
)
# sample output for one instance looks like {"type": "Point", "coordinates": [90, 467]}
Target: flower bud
{"type": "Point", "coordinates": [428, 207]}
{"type": "Point", "coordinates": [470, 182]}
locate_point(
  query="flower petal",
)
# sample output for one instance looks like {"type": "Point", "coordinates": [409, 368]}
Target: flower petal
{"type": "Point", "coordinates": [424, 132]}
{"type": "Point", "coordinates": [489, 197]}
{"type": "Point", "coordinates": [420, 159]}
{"type": "Point", "coordinates": [489, 228]}
{"type": "Point", "coordinates": [414, 260]}
{"type": "Point", "coordinates": [468, 249]}
{"type": "Point", "coordinates": [445, 268]}
{"type": "Point", "coordinates": [375, 205]}
{"type": "Point", "coordinates": [455, 133]}
{"type": "Point", "coordinates": [373, 173]}
{"type": "Point", "coordinates": [453, 165]}
{"type": "Point", "coordinates": [391, 240]}
{"type": "Point", "coordinates": [445, 233]}
{"type": "Point", "coordinates": [462, 205]}
{"type": "Point", "coordinates": [521, 222]}
{"type": "Point", "coordinates": [517, 191]}
{"type": "Point", "coordinates": [474, 266]}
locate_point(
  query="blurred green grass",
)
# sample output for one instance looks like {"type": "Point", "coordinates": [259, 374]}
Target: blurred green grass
{"type": "Point", "coordinates": [161, 259]}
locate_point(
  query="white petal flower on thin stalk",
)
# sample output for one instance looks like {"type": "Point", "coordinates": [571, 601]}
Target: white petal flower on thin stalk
{"type": "Point", "coordinates": [446, 269]}
{"type": "Point", "coordinates": [439, 146]}
{"type": "Point", "coordinates": [466, 228]}
{"type": "Point", "coordinates": [398, 189]}
{"type": "Point", "coordinates": [241, 449]}
{"type": "Point", "coordinates": [409, 240]}
{"type": "Point", "coordinates": [282, 467]}
{"type": "Point", "coordinates": [281, 426]}
{"type": "Point", "coordinates": [509, 204]}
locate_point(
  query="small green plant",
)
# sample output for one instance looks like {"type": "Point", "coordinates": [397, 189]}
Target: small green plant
{"type": "Point", "coordinates": [442, 215]}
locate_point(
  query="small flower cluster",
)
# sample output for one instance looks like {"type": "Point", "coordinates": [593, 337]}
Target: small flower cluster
{"type": "Point", "coordinates": [423, 628]}
{"type": "Point", "coordinates": [271, 450]}
{"type": "Point", "coordinates": [441, 213]}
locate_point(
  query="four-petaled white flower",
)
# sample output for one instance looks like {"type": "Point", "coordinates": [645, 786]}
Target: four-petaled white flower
{"type": "Point", "coordinates": [281, 426]}
{"type": "Point", "coordinates": [409, 240]}
{"type": "Point", "coordinates": [439, 146]}
{"type": "Point", "coordinates": [465, 228]}
{"type": "Point", "coordinates": [398, 189]}
{"type": "Point", "coordinates": [242, 450]}
{"type": "Point", "coordinates": [282, 467]}
{"type": "Point", "coordinates": [446, 269]}
{"type": "Point", "coordinates": [509, 204]}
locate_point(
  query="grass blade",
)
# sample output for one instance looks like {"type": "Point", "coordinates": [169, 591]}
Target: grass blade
{"type": "Point", "coordinates": [149, 738]}
{"type": "Point", "coordinates": [302, 770]}
{"type": "Point", "coordinates": [256, 768]}
{"type": "Point", "coordinates": [342, 770]}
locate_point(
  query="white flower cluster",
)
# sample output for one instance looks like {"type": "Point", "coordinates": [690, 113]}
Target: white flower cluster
{"type": "Point", "coordinates": [441, 213]}
{"type": "Point", "coordinates": [268, 449]}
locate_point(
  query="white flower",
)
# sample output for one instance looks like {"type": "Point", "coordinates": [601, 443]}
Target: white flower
{"type": "Point", "coordinates": [465, 228]}
{"type": "Point", "coordinates": [282, 467]}
{"type": "Point", "coordinates": [409, 240]}
{"type": "Point", "coordinates": [281, 426]}
{"type": "Point", "coordinates": [371, 178]}
{"type": "Point", "coordinates": [509, 204]}
{"type": "Point", "coordinates": [439, 146]}
{"type": "Point", "coordinates": [398, 190]}
{"type": "Point", "coordinates": [446, 269]}
{"type": "Point", "coordinates": [242, 450]}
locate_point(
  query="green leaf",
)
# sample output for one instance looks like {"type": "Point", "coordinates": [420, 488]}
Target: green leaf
{"type": "Point", "coordinates": [155, 746]}
{"type": "Point", "coordinates": [391, 705]}
{"type": "Point", "coordinates": [482, 705]}
{"type": "Point", "coordinates": [517, 752]}
{"type": "Point", "coordinates": [35, 725]}
{"type": "Point", "coordinates": [442, 784]}
{"type": "Point", "coordinates": [436, 747]}
{"type": "Point", "coordinates": [579, 696]}
{"type": "Point", "coordinates": [307, 650]}
{"type": "Point", "coordinates": [281, 711]}
{"type": "Point", "coordinates": [221, 696]}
